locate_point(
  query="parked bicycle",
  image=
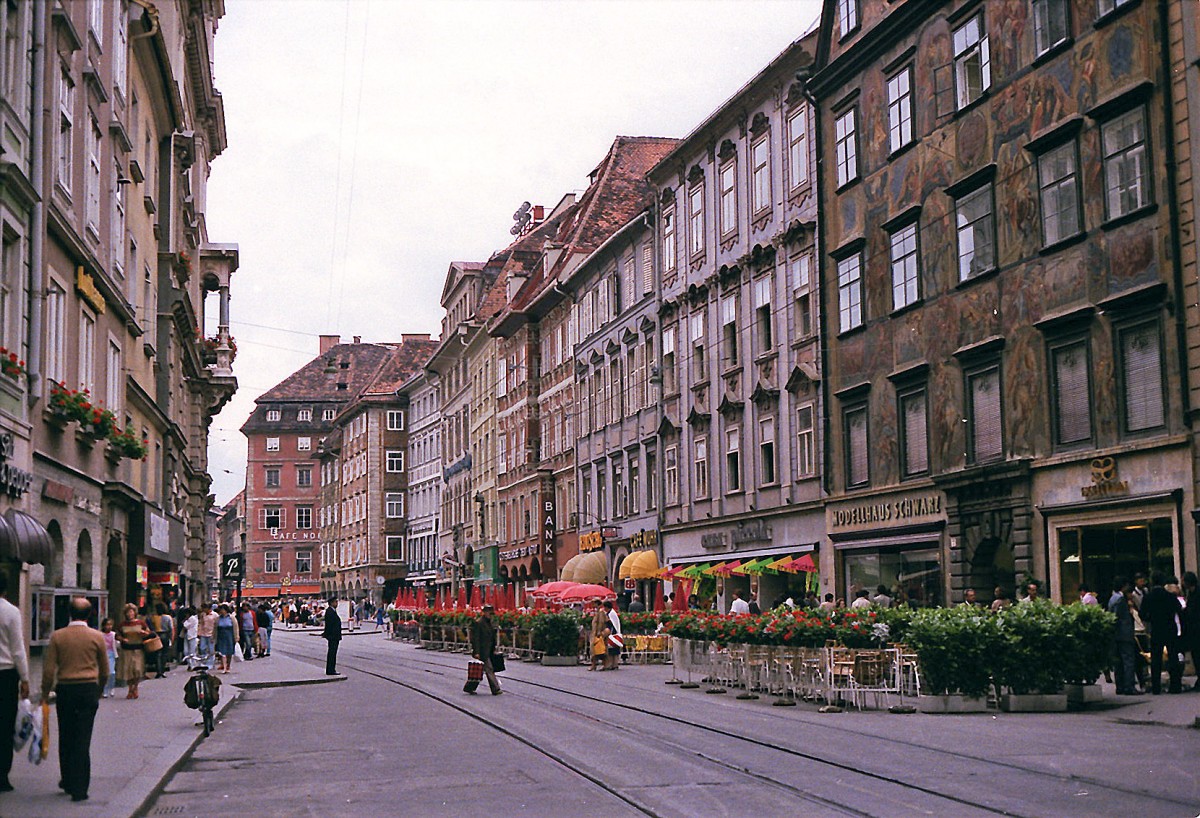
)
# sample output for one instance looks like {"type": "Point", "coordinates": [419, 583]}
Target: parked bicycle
{"type": "Point", "coordinates": [202, 692]}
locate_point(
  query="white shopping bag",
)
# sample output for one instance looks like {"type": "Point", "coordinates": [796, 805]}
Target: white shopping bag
{"type": "Point", "coordinates": [24, 727]}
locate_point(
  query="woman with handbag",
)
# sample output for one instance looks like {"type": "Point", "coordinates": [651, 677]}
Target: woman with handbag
{"type": "Point", "coordinates": [227, 637]}
{"type": "Point", "coordinates": [131, 663]}
{"type": "Point", "coordinates": [164, 626]}
{"type": "Point", "coordinates": [613, 639]}
{"type": "Point", "coordinates": [599, 631]}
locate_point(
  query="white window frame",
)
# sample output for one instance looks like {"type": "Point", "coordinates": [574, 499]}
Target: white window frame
{"type": "Point", "coordinates": [304, 414]}
{"type": "Point", "coordinates": [727, 182]}
{"type": "Point", "coordinates": [700, 449]}
{"type": "Point", "coordinates": [304, 562]}
{"type": "Point", "coordinates": [394, 461]}
{"type": "Point", "coordinates": [272, 444]}
{"type": "Point", "coordinates": [671, 475]}
{"type": "Point", "coordinates": [668, 238]}
{"type": "Point", "coordinates": [328, 414]}
{"type": "Point", "coordinates": [395, 420]}
{"type": "Point", "coordinates": [760, 175]}
{"type": "Point", "coordinates": [971, 53]}
{"type": "Point", "coordinates": [906, 286]}
{"type": "Point", "coordinates": [846, 146]}
{"type": "Point", "coordinates": [733, 459]}
{"type": "Point", "coordinates": [304, 518]}
{"type": "Point", "coordinates": [806, 441]}
{"type": "Point", "coordinates": [1048, 15]}
{"type": "Point", "coordinates": [304, 444]}
{"type": "Point", "coordinates": [1119, 158]}
{"type": "Point", "coordinates": [271, 562]}
{"type": "Point", "coordinates": [797, 125]}
{"type": "Point", "coordinates": [768, 456]}
{"type": "Point", "coordinates": [87, 350]}
{"type": "Point", "coordinates": [696, 219]}
{"type": "Point", "coordinates": [56, 333]}
{"type": "Point", "coordinates": [115, 391]}
{"type": "Point", "coordinates": [900, 109]}
{"type": "Point", "coordinates": [273, 415]}
{"type": "Point", "coordinates": [393, 502]}
{"type": "Point", "coordinates": [850, 301]}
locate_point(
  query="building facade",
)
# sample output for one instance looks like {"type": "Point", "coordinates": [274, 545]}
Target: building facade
{"type": "Point", "coordinates": [424, 492]}
{"type": "Point", "coordinates": [1005, 362]}
{"type": "Point", "coordinates": [740, 359]}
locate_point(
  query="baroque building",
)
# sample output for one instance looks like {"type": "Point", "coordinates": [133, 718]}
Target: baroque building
{"type": "Point", "coordinates": [1005, 362]}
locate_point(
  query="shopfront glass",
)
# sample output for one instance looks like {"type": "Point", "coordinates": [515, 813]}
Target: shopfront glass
{"type": "Point", "coordinates": [911, 575]}
{"type": "Point", "coordinates": [1097, 554]}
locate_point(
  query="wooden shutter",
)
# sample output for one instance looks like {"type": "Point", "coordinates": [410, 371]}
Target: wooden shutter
{"type": "Point", "coordinates": [916, 446]}
{"type": "Point", "coordinates": [857, 471]}
{"type": "Point", "coordinates": [1142, 362]}
{"type": "Point", "coordinates": [647, 268]}
{"type": "Point", "coordinates": [1071, 393]}
{"type": "Point", "coordinates": [987, 439]}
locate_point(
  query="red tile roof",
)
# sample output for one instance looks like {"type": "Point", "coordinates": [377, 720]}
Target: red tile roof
{"type": "Point", "coordinates": [407, 359]}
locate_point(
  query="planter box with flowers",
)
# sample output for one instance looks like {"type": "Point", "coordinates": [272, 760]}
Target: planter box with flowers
{"type": "Point", "coordinates": [67, 405]}
{"type": "Point", "coordinates": [11, 365]}
{"type": "Point", "coordinates": [127, 444]}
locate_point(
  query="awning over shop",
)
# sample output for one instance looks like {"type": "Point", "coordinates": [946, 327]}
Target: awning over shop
{"type": "Point", "coordinates": [640, 565]}
{"type": "Point", "coordinates": [591, 568]}
{"type": "Point", "coordinates": [259, 591]}
{"type": "Point", "coordinates": [10, 549]}
{"type": "Point", "coordinates": [33, 543]}
{"type": "Point", "coordinates": [568, 570]}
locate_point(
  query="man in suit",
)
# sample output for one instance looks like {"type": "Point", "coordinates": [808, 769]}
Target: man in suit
{"type": "Point", "coordinates": [14, 677]}
{"type": "Point", "coordinates": [333, 636]}
{"type": "Point", "coordinates": [1126, 646]}
{"type": "Point", "coordinates": [1160, 611]}
{"type": "Point", "coordinates": [75, 668]}
{"type": "Point", "coordinates": [483, 645]}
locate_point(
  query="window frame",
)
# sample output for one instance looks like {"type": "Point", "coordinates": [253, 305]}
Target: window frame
{"type": "Point", "coordinates": [272, 444]}
{"type": "Point", "coordinates": [303, 474]}
{"type": "Point", "coordinates": [272, 476]}
{"type": "Point", "coordinates": [395, 420]}
{"type": "Point", "coordinates": [986, 191]}
{"type": "Point", "coordinates": [845, 143]}
{"type": "Point", "coordinates": [1039, 48]}
{"type": "Point", "coordinates": [1120, 331]}
{"type": "Point", "coordinates": [971, 374]}
{"type": "Point", "coordinates": [1045, 188]}
{"type": "Point", "coordinates": [702, 473]}
{"type": "Point", "coordinates": [961, 62]}
{"type": "Point", "coordinates": [671, 475]}
{"type": "Point", "coordinates": [806, 441]}
{"type": "Point", "coordinates": [760, 175]}
{"type": "Point", "coordinates": [733, 460]}
{"type": "Point", "coordinates": [798, 149]}
{"type": "Point", "coordinates": [668, 233]}
{"type": "Point", "coordinates": [696, 218]}
{"type": "Point", "coordinates": [393, 505]}
{"type": "Point", "coordinates": [304, 518]}
{"type": "Point", "coordinates": [1107, 159]}
{"type": "Point", "coordinates": [851, 308]}
{"type": "Point", "coordinates": [304, 562]}
{"type": "Point", "coordinates": [907, 259]}
{"type": "Point", "coordinates": [271, 558]}
{"type": "Point", "coordinates": [768, 453]}
{"type": "Point", "coordinates": [304, 444]}
{"type": "Point", "coordinates": [802, 295]}
{"type": "Point", "coordinates": [903, 396]}
{"type": "Point", "coordinates": [1053, 347]}
{"type": "Point", "coordinates": [388, 554]}
{"type": "Point", "coordinates": [847, 15]}
{"type": "Point", "coordinates": [849, 410]}
{"type": "Point", "coordinates": [730, 347]}
{"type": "Point", "coordinates": [727, 190]}
{"type": "Point", "coordinates": [901, 113]}
{"type": "Point", "coordinates": [273, 415]}
{"type": "Point", "coordinates": [394, 461]}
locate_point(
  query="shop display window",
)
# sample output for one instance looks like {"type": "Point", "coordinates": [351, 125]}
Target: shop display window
{"type": "Point", "coordinates": [1097, 554]}
{"type": "Point", "coordinates": [912, 575]}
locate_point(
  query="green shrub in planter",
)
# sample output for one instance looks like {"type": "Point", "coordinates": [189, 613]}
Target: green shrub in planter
{"type": "Point", "coordinates": [1085, 638]}
{"type": "Point", "coordinates": [955, 649]}
{"type": "Point", "coordinates": [556, 634]}
{"type": "Point", "coordinates": [1031, 655]}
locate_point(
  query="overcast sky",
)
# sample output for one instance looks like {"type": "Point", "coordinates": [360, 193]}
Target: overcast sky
{"type": "Point", "coordinates": [372, 142]}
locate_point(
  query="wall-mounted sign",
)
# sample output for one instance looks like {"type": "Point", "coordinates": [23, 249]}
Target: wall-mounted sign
{"type": "Point", "coordinates": [1105, 482]}
{"type": "Point", "coordinates": [591, 541]}
{"type": "Point", "coordinates": [13, 481]}
{"type": "Point", "coordinates": [752, 531]}
{"type": "Point", "coordinates": [517, 553]}
{"type": "Point", "coordinates": [643, 539]}
{"type": "Point", "coordinates": [925, 505]}
{"type": "Point", "coordinates": [714, 540]}
{"type": "Point", "coordinates": [86, 288]}
{"type": "Point", "coordinates": [547, 528]}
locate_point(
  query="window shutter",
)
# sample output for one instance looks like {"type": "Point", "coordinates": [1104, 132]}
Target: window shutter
{"type": "Point", "coordinates": [1143, 377]}
{"type": "Point", "coordinates": [856, 431]}
{"type": "Point", "coordinates": [987, 436]}
{"type": "Point", "coordinates": [916, 446]}
{"type": "Point", "coordinates": [1072, 394]}
{"type": "Point", "coordinates": [647, 268]}
{"type": "Point", "coordinates": [943, 89]}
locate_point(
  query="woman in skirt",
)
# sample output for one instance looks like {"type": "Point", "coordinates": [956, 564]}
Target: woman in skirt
{"type": "Point", "coordinates": [131, 661]}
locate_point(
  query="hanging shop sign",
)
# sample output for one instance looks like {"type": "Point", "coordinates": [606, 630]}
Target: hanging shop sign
{"type": "Point", "coordinates": [591, 541]}
{"type": "Point", "coordinates": [547, 527]}
{"type": "Point", "coordinates": [1105, 482]}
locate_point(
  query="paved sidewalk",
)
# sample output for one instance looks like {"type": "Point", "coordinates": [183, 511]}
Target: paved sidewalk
{"type": "Point", "coordinates": [137, 744]}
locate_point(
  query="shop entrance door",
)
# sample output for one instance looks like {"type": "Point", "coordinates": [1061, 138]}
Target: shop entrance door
{"type": "Point", "coordinates": [1097, 554]}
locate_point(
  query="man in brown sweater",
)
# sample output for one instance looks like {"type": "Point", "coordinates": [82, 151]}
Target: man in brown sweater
{"type": "Point", "coordinates": [75, 667]}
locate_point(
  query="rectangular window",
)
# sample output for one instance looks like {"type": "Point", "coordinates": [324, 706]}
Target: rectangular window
{"type": "Point", "coordinates": [801, 278]}
{"type": "Point", "coordinates": [701, 454]}
{"type": "Point", "coordinates": [271, 476]}
{"type": "Point", "coordinates": [699, 370]}
{"type": "Point", "coordinates": [303, 476]}
{"type": "Point", "coordinates": [303, 562]}
{"type": "Point", "coordinates": [857, 462]}
{"type": "Point", "coordinates": [668, 239]}
{"type": "Point", "coordinates": [976, 233]}
{"type": "Point", "coordinates": [635, 484]}
{"type": "Point", "coordinates": [1126, 170]}
{"type": "Point", "coordinates": [304, 444]}
{"type": "Point", "coordinates": [847, 11]}
{"type": "Point", "coordinates": [116, 222]}
{"type": "Point", "coordinates": [304, 415]}
{"type": "Point", "coordinates": [728, 182]}
{"type": "Point", "coordinates": [1142, 376]}
{"type": "Point", "coordinates": [304, 517]}
{"type": "Point", "coordinates": [1072, 392]}
{"type": "Point", "coordinates": [651, 472]}
{"type": "Point", "coordinates": [328, 414]}
{"type": "Point", "coordinates": [273, 415]}
{"type": "Point", "coordinates": [762, 313]}
{"type": "Point", "coordinates": [850, 292]}
{"type": "Point", "coordinates": [1050, 24]}
{"type": "Point", "coordinates": [766, 451]}
{"type": "Point", "coordinates": [394, 504]}
{"type": "Point", "coordinates": [900, 109]}
{"type": "Point", "coordinates": [760, 176]}
{"type": "Point", "coordinates": [972, 62]}
{"type": "Point", "coordinates": [116, 378]}
{"type": "Point", "coordinates": [647, 270]}
{"type": "Point", "coordinates": [905, 289]}
{"type": "Point", "coordinates": [271, 562]}
{"type": "Point", "coordinates": [120, 49]}
{"type": "Point", "coordinates": [914, 439]}
{"type": "Point", "coordinates": [395, 461]}
{"type": "Point", "coordinates": [806, 442]}
{"type": "Point", "coordinates": [846, 147]}
{"type": "Point", "coordinates": [669, 377]}
{"type": "Point", "coordinates": [733, 459]}
{"type": "Point", "coordinates": [729, 329]}
{"type": "Point", "coordinates": [87, 351]}
{"type": "Point", "coordinates": [1057, 180]}
{"type": "Point", "coordinates": [272, 444]}
{"type": "Point", "coordinates": [270, 517]}
{"type": "Point", "coordinates": [620, 495]}
{"type": "Point", "coordinates": [502, 378]}
{"type": "Point", "coordinates": [56, 333]}
{"type": "Point", "coordinates": [66, 120]}
{"type": "Point", "coordinates": [671, 475]}
{"type": "Point", "coordinates": [798, 148]}
{"type": "Point", "coordinates": [92, 186]}
{"type": "Point", "coordinates": [1108, 6]}
{"type": "Point", "coordinates": [696, 220]}
{"type": "Point", "coordinates": [395, 420]}
{"type": "Point", "coordinates": [986, 431]}
{"type": "Point", "coordinates": [395, 549]}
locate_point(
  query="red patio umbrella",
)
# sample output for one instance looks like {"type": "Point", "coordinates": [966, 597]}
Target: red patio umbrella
{"type": "Point", "coordinates": [552, 589]}
{"type": "Point", "coordinates": [582, 592]}
{"type": "Point", "coordinates": [658, 597]}
{"type": "Point", "coordinates": [462, 596]}
{"type": "Point", "coordinates": [476, 596]}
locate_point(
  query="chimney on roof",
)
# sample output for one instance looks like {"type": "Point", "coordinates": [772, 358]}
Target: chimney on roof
{"type": "Point", "coordinates": [408, 337]}
{"type": "Point", "coordinates": [328, 342]}
{"type": "Point", "coordinates": [358, 339]}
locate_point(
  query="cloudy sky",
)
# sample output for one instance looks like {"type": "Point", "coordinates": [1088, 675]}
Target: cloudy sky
{"type": "Point", "coordinates": [371, 142]}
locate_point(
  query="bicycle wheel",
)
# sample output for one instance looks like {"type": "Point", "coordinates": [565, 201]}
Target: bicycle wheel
{"type": "Point", "coordinates": [208, 722]}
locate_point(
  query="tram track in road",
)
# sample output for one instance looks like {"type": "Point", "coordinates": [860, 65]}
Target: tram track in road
{"type": "Point", "coordinates": [821, 722]}
{"type": "Point", "coordinates": [874, 779]}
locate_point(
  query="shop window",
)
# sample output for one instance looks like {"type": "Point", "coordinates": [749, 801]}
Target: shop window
{"type": "Point", "coordinates": [1140, 347]}
{"type": "Point", "coordinates": [984, 414]}
{"type": "Point", "coordinates": [913, 576]}
{"type": "Point", "coordinates": [1098, 554]}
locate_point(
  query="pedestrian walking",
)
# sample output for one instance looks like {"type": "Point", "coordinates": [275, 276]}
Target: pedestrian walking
{"type": "Point", "coordinates": [163, 625]}
{"type": "Point", "coordinates": [14, 677]}
{"type": "Point", "coordinates": [75, 668]}
{"type": "Point", "coordinates": [379, 618]}
{"type": "Point", "coordinates": [265, 620]}
{"type": "Point", "coordinates": [1123, 639]}
{"type": "Point", "coordinates": [227, 637]}
{"type": "Point", "coordinates": [206, 633]}
{"type": "Point", "coordinates": [189, 634]}
{"type": "Point", "coordinates": [332, 634]}
{"type": "Point", "coordinates": [110, 649]}
{"type": "Point", "coordinates": [1160, 611]}
{"type": "Point", "coordinates": [247, 624]}
{"type": "Point", "coordinates": [131, 658]}
{"type": "Point", "coordinates": [483, 646]}
{"type": "Point", "coordinates": [598, 646]}
{"type": "Point", "coordinates": [613, 657]}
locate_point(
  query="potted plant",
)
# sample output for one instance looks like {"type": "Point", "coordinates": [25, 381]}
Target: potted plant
{"type": "Point", "coordinates": [11, 365]}
{"type": "Point", "coordinates": [1030, 662]}
{"type": "Point", "coordinates": [1085, 633]}
{"type": "Point", "coordinates": [128, 444]}
{"type": "Point", "coordinates": [556, 636]}
{"type": "Point", "coordinates": [955, 648]}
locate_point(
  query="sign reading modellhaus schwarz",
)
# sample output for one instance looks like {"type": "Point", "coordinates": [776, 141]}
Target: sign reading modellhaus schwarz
{"type": "Point", "coordinates": [905, 509]}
